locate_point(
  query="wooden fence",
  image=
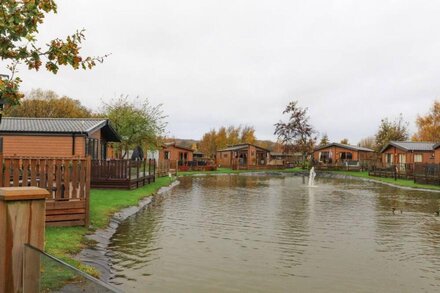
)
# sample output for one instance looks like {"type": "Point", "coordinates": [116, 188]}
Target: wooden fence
{"type": "Point", "coordinates": [427, 173]}
{"type": "Point", "coordinates": [196, 166]}
{"type": "Point", "coordinates": [122, 174]}
{"type": "Point", "coordinates": [396, 171]}
{"type": "Point", "coordinates": [256, 167]}
{"type": "Point", "coordinates": [66, 179]}
{"type": "Point", "coordinates": [164, 167]}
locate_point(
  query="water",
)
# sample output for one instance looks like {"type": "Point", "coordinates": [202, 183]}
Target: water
{"type": "Point", "coordinates": [273, 234]}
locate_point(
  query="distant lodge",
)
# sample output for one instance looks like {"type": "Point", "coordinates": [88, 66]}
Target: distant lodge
{"type": "Point", "coordinates": [408, 152]}
{"type": "Point", "coordinates": [250, 156]}
{"type": "Point", "coordinates": [174, 152]}
{"type": "Point", "coordinates": [337, 153]}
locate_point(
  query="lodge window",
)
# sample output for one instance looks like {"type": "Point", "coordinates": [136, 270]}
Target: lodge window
{"type": "Point", "coordinates": [324, 157]}
{"type": "Point", "coordinates": [346, 156]}
{"type": "Point", "coordinates": [103, 150]}
{"type": "Point", "coordinates": [389, 158]}
{"type": "Point", "coordinates": [166, 155]}
{"type": "Point", "coordinates": [418, 158]}
{"type": "Point", "coordinates": [225, 155]}
{"type": "Point", "coordinates": [92, 148]}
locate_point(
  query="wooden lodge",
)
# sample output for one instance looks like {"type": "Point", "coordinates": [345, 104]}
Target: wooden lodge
{"type": "Point", "coordinates": [243, 156]}
{"type": "Point", "coordinates": [174, 152]}
{"type": "Point", "coordinates": [398, 159]}
{"type": "Point", "coordinates": [336, 155]}
{"type": "Point", "coordinates": [57, 137]}
{"type": "Point", "coordinates": [407, 152]}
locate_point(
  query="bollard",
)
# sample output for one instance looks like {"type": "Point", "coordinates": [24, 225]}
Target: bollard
{"type": "Point", "coordinates": [22, 221]}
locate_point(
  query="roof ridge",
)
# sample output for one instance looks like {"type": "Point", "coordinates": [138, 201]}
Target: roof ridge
{"type": "Point", "coordinates": [410, 141]}
{"type": "Point", "coordinates": [54, 118]}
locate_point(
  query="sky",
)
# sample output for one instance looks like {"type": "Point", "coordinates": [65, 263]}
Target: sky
{"type": "Point", "coordinates": [213, 63]}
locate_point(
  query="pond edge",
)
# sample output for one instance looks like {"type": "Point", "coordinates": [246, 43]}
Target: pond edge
{"type": "Point", "coordinates": [99, 256]}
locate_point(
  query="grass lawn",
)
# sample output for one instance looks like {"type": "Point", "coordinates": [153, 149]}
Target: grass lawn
{"type": "Point", "coordinates": [399, 182]}
{"type": "Point", "coordinates": [64, 242]}
{"type": "Point", "coordinates": [230, 171]}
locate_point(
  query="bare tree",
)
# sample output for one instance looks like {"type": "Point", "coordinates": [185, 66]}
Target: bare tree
{"type": "Point", "coordinates": [297, 134]}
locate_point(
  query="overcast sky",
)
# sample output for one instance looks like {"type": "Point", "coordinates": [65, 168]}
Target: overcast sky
{"type": "Point", "coordinates": [213, 63]}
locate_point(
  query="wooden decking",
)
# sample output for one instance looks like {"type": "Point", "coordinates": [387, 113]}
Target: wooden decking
{"type": "Point", "coordinates": [122, 174]}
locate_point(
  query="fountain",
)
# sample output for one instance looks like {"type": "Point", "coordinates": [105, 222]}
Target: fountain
{"type": "Point", "coordinates": [312, 175]}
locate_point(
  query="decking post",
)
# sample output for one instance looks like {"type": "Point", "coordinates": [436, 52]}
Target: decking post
{"type": "Point", "coordinates": [22, 221]}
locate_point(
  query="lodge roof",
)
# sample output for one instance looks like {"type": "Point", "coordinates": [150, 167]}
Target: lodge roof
{"type": "Point", "coordinates": [410, 145]}
{"type": "Point", "coordinates": [344, 146]}
{"type": "Point", "coordinates": [168, 144]}
{"type": "Point", "coordinates": [24, 125]}
{"type": "Point", "coordinates": [241, 146]}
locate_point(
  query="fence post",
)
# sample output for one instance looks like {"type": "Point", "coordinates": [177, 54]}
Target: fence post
{"type": "Point", "coordinates": [22, 221]}
{"type": "Point", "coordinates": [154, 170]}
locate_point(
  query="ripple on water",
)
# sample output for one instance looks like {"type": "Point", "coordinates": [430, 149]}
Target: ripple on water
{"type": "Point", "coordinates": [269, 234]}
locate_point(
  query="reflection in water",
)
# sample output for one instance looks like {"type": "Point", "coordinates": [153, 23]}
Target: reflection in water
{"type": "Point", "coordinates": [273, 234]}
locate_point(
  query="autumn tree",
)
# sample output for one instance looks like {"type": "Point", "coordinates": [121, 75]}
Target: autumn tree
{"type": "Point", "coordinates": [428, 126]}
{"type": "Point", "coordinates": [297, 133]}
{"type": "Point", "coordinates": [248, 134]}
{"type": "Point", "coordinates": [225, 136]}
{"type": "Point", "coordinates": [344, 141]}
{"type": "Point", "coordinates": [19, 23]}
{"type": "Point", "coordinates": [396, 130]}
{"type": "Point", "coordinates": [368, 142]}
{"type": "Point", "coordinates": [39, 103]}
{"type": "Point", "coordinates": [233, 135]}
{"type": "Point", "coordinates": [324, 140]}
{"type": "Point", "coordinates": [208, 145]}
{"type": "Point", "coordinates": [221, 138]}
{"type": "Point", "coordinates": [137, 121]}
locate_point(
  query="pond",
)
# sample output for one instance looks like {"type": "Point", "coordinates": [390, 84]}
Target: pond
{"type": "Point", "coordinates": [273, 234]}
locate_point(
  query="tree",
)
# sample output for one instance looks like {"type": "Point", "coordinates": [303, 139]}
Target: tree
{"type": "Point", "coordinates": [324, 140]}
{"type": "Point", "coordinates": [297, 133]}
{"type": "Point", "coordinates": [207, 145]}
{"type": "Point", "coordinates": [368, 142]}
{"type": "Point", "coordinates": [396, 130]}
{"type": "Point", "coordinates": [39, 103]}
{"type": "Point", "coordinates": [19, 22]}
{"type": "Point", "coordinates": [429, 125]}
{"type": "Point", "coordinates": [344, 141]}
{"type": "Point", "coordinates": [233, 135]}
{"type": "Point", "coordinates": [137, 121]}
{"type": "Point", "coordinates": [248, 134]}
{"type": "Point", "coordinates": [216, 140]}
{"type": "Point", "coordinates": [221, 138]}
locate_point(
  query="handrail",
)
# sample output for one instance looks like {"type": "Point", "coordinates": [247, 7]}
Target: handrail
{"type": "Point", "coordinates": [106, 286]}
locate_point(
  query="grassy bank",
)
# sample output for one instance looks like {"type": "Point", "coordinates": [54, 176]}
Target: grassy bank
{"type": "Point", "coordinates": [398, 182]}
{"type": "Point", "coordinates": [64, 242]}
{"type": "Point", "coordinates": [230, 171]}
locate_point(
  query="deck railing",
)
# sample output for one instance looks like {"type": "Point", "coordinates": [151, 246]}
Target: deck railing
{"type": "Point", "coordinates": [125, 174]}
{"type": "Point", "coordinates": [66, 179]}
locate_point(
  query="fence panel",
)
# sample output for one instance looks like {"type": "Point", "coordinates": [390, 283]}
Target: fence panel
{"type": "Point", "coordinates": [121, 174]}
{"type": "Point", "coordinates": [68, 200]}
